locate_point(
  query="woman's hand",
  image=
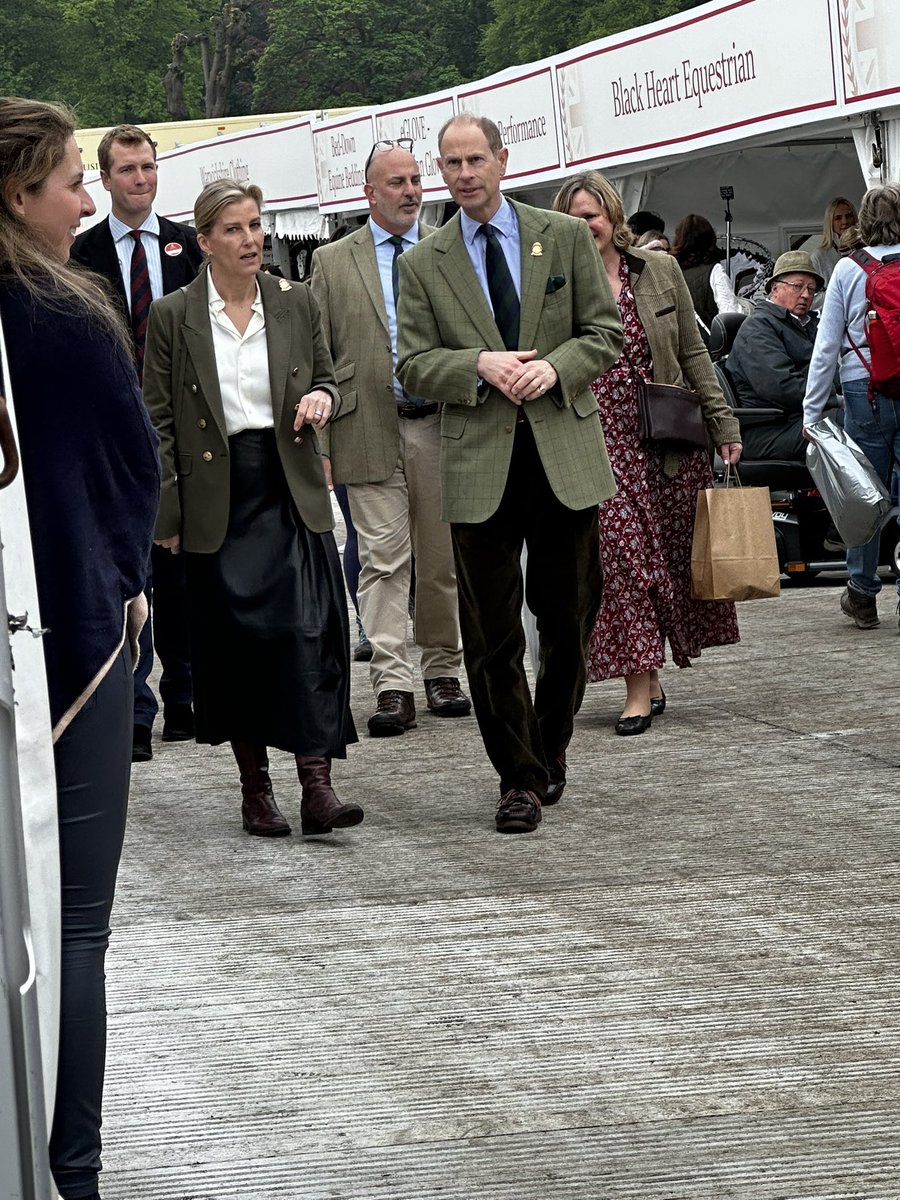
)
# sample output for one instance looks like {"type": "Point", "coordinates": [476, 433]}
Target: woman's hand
{"type": "Point", "coordinates": [172, 543]}
{"type": "Point", "coordinates": [730, 452]}
{"type": "Point", "coordinates": [313, 409]}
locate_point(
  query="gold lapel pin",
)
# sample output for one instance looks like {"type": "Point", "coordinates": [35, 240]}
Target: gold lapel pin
{"type": "Point", "coordinates": [537, 250]}
{"type": "Point", "coordinates": [284, 284]}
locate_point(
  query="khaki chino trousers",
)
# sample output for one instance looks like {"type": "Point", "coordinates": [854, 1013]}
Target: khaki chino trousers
{"type": "Point", "coordinates": [396, 519]}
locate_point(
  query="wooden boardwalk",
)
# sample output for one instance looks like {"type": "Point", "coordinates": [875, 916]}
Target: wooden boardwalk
{"type": "Point", "coordinates": [684, 986]}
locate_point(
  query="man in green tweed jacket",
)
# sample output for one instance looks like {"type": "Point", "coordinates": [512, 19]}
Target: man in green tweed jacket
{"type": "Point", "coordinates": [505, 317]}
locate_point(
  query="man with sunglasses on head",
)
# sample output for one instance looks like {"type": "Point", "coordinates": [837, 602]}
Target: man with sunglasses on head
{"type": "Point", "coordinates": [385, 447]}
{"type": "Point", "coordinates": [769, 361]}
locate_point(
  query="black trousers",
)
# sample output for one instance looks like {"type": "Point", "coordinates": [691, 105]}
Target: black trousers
{"type": "Point", "coordinates": [166, 628]}
{"type": "Point", "coordinates": [93, 771]}
{"type": "Point", "coordinates": [563, 587]}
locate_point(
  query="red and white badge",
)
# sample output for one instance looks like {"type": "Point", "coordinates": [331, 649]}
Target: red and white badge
{"type": "Point", "coordinates": [173, 249]}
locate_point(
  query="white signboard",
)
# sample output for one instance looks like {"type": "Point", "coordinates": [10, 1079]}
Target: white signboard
{"type": "Point", "coordinates": [689, 80]}
{"type": "Point", "coordinates": [869, 58]}
{"type": "Point", "coordinates": [341, 149]}
{"type": "Point", "coordinates": [279, 159]}
{"type": "Point", "coordinates": [523, 107]}
{"type": "Point", "coordinates": [422, 121]}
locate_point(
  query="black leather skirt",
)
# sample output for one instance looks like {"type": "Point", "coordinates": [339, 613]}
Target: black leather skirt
{"type": "Point", "coordinates": [270, 647]}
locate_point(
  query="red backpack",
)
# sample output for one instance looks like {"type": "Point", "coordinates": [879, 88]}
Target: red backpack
{"type": "Point", "coordinates": [882, 322]}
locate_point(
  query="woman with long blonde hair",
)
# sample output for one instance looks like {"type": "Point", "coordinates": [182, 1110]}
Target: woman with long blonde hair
{"type": "Point", "coordinates": [91, 478]}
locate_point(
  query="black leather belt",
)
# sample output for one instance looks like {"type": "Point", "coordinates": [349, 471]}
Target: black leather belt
{"type": "Point", "coordinates": [412, 412]}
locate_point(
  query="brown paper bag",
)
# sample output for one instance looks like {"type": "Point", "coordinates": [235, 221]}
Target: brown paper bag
{"type": "Point", "coordinates": [733, 554]}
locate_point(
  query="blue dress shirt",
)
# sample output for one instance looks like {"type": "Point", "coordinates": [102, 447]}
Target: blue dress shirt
{"type": "Point", "coordinates": [384, 256]}
{"type": "Point", "coordinates": [506, 224]}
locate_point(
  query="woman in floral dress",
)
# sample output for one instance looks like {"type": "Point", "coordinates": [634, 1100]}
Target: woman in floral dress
{"type": "Point", "coordinates": [647, 527]}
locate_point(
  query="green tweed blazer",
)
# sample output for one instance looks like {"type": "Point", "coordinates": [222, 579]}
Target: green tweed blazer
{"type": "Point", "coordinates": [181, 391]}
{"type": "Point", "coordinates": [567, 314]}
{"type": "Point", "coordinates": [363, 442]}
{"type": "Point", "coordinates": [680, 357]}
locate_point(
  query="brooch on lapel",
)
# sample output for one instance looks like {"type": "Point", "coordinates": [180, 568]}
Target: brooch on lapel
{"type": "Point", "coordinates": [537, 250]}
{"type": "Point", "coordinates": [284, 284]}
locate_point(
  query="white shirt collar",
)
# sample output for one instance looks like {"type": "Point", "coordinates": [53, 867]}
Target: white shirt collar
{"type": "Point", "coordinates": [119, 229]}
{"type": "Point", "coordinates": [217, 304]}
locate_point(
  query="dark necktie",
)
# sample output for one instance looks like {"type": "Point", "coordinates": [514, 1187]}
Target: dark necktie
{"type": "Point", "coordinates": [397, 242]}
{"type": "Point", "coordinates": [501, 288]}
{"type": "Point", "coordinates": [141, 299]}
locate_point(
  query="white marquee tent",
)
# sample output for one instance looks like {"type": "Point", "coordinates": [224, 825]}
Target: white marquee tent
{"type": "Point", "coordinates": [788, 103]}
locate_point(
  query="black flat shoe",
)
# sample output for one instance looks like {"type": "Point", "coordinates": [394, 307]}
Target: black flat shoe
{"type": "Point", "coordinates": [658, 705]}
{"type": "Point", "coordinates": [629, 726]}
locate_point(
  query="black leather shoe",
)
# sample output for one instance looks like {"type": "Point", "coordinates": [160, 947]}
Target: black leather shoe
{"type": "Point", "coordinates": [395, 712]}
{"type": "Point", "coordinates": [658, 705]}
{"type": "Point", "coordinates": [557, 784]}
{"type": "Point", "coordinates": [629, 726]}
{"type": "Point", "coordinates": [445, 698]}
{"type": "Point", "coordinates": [178, 723]}
{"type": "Point", "coordinates": [518, 812]}
{"type": "Point", "coordinates": [362, 651]}
{"type": "Point", "coordinates": [141, 748]}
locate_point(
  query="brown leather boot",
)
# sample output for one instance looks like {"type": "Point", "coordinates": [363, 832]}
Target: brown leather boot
{"type": "Point", "coordinates": [259, 812]}
{"type": "Point", "coordinates": [320, 809]}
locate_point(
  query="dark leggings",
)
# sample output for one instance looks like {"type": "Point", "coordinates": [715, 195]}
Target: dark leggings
{"type": "Point", "coordinates": [93, 769]}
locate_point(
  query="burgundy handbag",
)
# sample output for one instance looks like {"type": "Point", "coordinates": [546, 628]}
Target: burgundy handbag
{"type": "Point", "coordinates": [669, 414]}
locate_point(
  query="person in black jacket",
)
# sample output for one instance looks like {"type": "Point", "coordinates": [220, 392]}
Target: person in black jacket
{"type": "Point", "coordinates": [91, 477]}
{"type": "Point", "coordinates": [171, 257]}
{"type": "Point", "coordinates": [769, 360]}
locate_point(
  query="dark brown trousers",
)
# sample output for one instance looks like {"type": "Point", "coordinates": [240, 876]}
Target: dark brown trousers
{"type": "Point", "coordinates": [563, 587]}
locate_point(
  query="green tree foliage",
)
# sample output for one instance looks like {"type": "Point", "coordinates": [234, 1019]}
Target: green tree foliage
{"type": "Point", "coordinates": [106, 58]}
{"type": "Point", "coordinates": [329, 53]}
{"type": "Point", "coordinates": [522, 33]}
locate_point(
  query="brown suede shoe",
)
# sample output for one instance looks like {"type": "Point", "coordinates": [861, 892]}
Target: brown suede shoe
{"type": "Point", "coordinates": [261, 815]}
{"type": "Point", "coordinates": [395, 712]}
{"type": "Point", "coordinates": [320, 809]}
{"type": "Point", "coordinates": [446, 698]}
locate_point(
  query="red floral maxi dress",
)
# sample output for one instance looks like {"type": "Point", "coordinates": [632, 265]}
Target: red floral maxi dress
{"type": "Point", "coordinates": [645, 534]}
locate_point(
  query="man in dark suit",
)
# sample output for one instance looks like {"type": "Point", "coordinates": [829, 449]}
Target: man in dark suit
{"type": "Point", "coordinates": [506, 317]}
{"type": "Point", "coordinates": [144, 257]}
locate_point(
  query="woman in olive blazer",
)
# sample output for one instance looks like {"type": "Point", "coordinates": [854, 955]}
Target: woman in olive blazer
{"type": "Point", "coordinates": [181, 390]}
{"type": "Point", "coordinates": [238, 380]}
{"type": "Point", "coordinates": [647, 527]}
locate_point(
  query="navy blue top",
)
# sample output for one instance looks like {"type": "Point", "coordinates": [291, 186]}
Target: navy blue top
{"type": "Point", "coordinates": [91, 475]}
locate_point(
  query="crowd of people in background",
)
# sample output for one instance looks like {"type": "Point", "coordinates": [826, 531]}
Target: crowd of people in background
{"type": "Point", "coordinates": [473, 389]}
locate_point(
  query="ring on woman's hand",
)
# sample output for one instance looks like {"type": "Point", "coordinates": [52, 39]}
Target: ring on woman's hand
{"type": "Point", "coordinates": [541, 388]}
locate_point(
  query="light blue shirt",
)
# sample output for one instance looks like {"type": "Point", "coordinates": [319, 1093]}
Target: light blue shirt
{"type": "Point", "coordinates": [506, 224]}
{"type": "Point", "coordinates": [843, 317]}
{"type": "Point", "coordinates": [125, 245]}
{"type": "Point", "coordinates": [384, 256]}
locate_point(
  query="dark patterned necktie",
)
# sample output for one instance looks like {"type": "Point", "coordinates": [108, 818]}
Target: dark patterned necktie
{"type": "Point", "coordinates": [397, 242]}
{"type": "Point", "coordinates": [141, 299]}
{"type": "Point", "coordinates": [502, 290]}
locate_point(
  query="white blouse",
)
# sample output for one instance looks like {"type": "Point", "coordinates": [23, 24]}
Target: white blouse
{"type": "Point", "coordinates": [242, 362]}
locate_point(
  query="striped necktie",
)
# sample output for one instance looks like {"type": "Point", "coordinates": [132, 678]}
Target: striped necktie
{"type": "Point", "coordinates": [141, 299]}
{"type": "Point", "coordinates": [502, 290]}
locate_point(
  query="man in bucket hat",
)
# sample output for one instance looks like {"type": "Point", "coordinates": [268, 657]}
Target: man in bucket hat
{"type": "Point", "coordinates": [769, 361]}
